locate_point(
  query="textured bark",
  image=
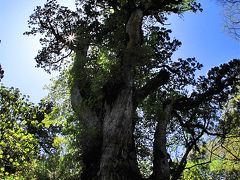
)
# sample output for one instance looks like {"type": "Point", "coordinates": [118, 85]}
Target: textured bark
{"type": "Point", "coordinates": [108, 149]}
{"type": "Point", "coordinates": [161, 169]}
{"type": "Point", "coordinates": [134, 29]}
{"type": "Point", "coordinates": [118, 159]}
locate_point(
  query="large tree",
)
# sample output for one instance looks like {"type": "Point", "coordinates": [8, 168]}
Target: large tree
{"type": "Point", "coordinates": [122, 75]}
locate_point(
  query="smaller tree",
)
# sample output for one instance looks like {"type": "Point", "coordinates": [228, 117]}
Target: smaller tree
{"type": "Point", "coordinates": [23, 132]}
{"type": "Point", "coordinates": [67, 161]}
{"type": "Point", "coordinates": [17, 146]}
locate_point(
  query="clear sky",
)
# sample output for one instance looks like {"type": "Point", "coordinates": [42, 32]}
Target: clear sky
{"type": "Point", "coordinates": [201, 34]}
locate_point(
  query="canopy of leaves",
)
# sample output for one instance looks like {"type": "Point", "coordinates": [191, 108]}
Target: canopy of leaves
{"type": "Point", "coordinates": [17, 145]}
{"type": "Point", "coordinates": [23, 132]}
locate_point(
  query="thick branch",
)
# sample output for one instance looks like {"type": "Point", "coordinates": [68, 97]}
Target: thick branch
{"type": "Point", "coordinates": [152, 85]}
{"type": "Point", "coordinates": [133, 29]}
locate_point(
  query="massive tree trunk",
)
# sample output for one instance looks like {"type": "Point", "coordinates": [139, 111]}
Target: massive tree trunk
{"type": "Point", "coordinates": [118, 160]}
{"type": "Point", "coordinates": [108, 149]}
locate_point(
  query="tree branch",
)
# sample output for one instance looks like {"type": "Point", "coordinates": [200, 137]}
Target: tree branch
{"type": "Point", "coordinates": [218, 81]}
{"type": "Point", "coordinates": [230, 152]}
{"type": "Point", "coordinates": [63, 57]}
{"type": "Point", "coordinates": [190, 126]}
{"type": "Point", "coordinates": [152, 85]}
{"type": "Point", "coordinates": [177, 173]}
{"type": "Point", "coordinates": [199, 164]}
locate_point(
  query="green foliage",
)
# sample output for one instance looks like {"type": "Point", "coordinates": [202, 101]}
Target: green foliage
{"type": "Point", "coordinates": [26, 131]}
{"type": "Point", "coordinates": [190, 5]}
{"type": "Point", "coordinates": [196, 173]}
{"type": "Point", "coordinates": [231, 115]}
{"type": "Point", "coordinates": [59, 96]}
{"type": "Point", "coordinates": [60, 165]}
{"type": "Point", "coordinates": [145, 168]}
{"type": "Point", "coordinates": [222, 155]}
{"type": "Point", "coordinates": [65, 162]}
{"type": "Point", "coordinates": [17, 146]}
{"type": "Point", "coordinates": [214, 164]}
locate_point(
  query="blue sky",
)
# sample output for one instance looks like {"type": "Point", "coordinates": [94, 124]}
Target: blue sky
{"type": "Point", "coordinates": [201, 34]}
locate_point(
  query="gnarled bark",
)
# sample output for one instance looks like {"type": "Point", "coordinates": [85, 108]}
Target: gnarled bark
{"type": "Point", "coordinates": [108, 149]}
{"type": "Point", "coordinates": [118, 160]}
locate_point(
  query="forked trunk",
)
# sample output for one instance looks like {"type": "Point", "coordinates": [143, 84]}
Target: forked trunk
{"type": "Point", "coordinates": [108, 149]}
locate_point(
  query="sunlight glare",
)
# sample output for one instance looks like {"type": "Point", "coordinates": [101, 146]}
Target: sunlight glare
{"type": "Point", "coordinates": [71, 37]}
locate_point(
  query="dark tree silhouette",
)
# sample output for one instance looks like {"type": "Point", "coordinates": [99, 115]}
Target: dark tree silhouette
{"type": "Point", "coordinates": [1, 73]}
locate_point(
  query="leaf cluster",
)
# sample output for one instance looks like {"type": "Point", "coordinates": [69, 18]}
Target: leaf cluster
{"type": "Point", "coordinates": [23, 132]}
